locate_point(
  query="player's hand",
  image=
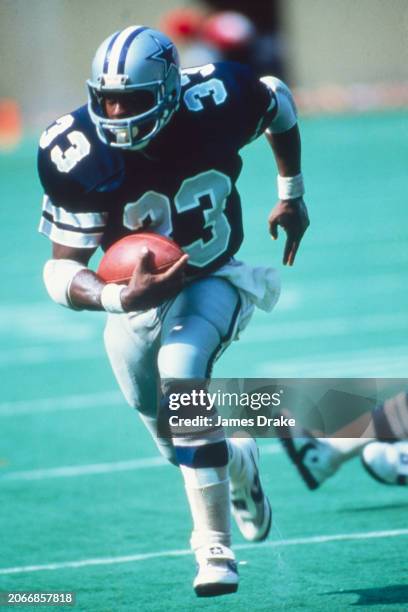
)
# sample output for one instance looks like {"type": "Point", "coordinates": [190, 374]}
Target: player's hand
{"type": "Point", "coordinates": [292, 216]}
{"type": "Point", "coordinates": [147, 290]}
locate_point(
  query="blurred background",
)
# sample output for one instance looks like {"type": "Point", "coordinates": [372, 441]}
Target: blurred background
{"type": "Point", "coordinates": [337, 54]}
{"type": "Point", "coordinates": [79, 476]}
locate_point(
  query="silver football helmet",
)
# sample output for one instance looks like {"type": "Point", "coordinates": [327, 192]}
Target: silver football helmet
{"type": "Point", "coordinates": [142, 65]}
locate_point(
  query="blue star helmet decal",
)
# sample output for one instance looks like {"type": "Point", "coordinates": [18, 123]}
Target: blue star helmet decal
{"type": "Point", "coordinates": [165, 54]}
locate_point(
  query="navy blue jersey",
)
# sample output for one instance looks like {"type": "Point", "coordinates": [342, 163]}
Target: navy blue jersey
{"type": "Point", "coordinates": [182, 185]}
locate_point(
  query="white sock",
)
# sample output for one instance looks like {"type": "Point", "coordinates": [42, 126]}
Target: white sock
{"type": "Point", "coordinates": [209, 499]}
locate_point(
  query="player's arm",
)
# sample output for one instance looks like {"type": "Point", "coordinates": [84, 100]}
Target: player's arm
{"type": "Point", "coordinates": [71, 283]}
{"type": "Point", "coordinates": [283, 135]}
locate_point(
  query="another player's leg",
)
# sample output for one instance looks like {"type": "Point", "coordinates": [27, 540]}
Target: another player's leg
{"type": "Point", "coordinates": [383, 460]}
{"type": "Point", "coordinates": [386, 462]}
{"type": "Point", "coordinates": [319, 458]}
{"type": "Point", "coordinates": [316, 459]}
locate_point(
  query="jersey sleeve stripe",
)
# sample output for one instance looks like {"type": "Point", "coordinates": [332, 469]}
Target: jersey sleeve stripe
{"type": "Point", "coordinates": [83, 222]}
{"type": "Point", "coordinates": [68, 237]}
{"type": "Point", "coordinates": [71, 228]}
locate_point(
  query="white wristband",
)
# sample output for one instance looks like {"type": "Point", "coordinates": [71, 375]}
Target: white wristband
{"type": "Point", "coordinates": [110, 298]}
{"type": "Point", "coordinates": [290, 187]}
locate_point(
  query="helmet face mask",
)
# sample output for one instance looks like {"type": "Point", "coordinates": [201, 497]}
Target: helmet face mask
{"type": "Point", "coordinates": [140, 67]}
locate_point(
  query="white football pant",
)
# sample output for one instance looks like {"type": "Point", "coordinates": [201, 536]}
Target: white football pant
{"type": "Point", "coordinates": [181, 339]}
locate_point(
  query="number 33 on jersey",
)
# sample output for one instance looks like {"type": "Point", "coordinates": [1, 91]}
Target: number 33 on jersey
{"type": "Point", "coordinates": [182, 185]}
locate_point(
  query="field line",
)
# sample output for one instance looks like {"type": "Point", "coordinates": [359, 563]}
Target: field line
{"type": "Point", "coordinates": [93, 469]}
{"type": "Point", "coordinates": [319, 539]}
{"type": "Point", "coordinates": [302, 329]}
{"type": "Point", "coordinates": [380, 362]}
{"type": "Point", "coordinates": [65, 402]}
{"type": "Point", "coordinates": [38, 355]}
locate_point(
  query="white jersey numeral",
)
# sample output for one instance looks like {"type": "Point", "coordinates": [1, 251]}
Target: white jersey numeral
{"type": "Point", "coordinates": [213, 87]}
{"type": "Point", "coordinates": [217, 187]}
{"type": "Point", "coordinates": [152, 207]}
{"type": "Point", "coordinates": [61, 124]}
{"type": "Point", "coordinates": [80, 146]}
{"type": "Point", "coordinates": [66, 160]}
{"type": "Point", "coordinates": [214, 187]}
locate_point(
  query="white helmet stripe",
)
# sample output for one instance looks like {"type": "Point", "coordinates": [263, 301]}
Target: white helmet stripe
{"type": "Point", "coordinates": [117, 48]}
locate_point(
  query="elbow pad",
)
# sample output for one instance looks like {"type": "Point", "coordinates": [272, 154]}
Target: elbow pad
{"type": "Point", "coordinates": [286, 114]}
{"type": "Point", "coordinates": [58, 275]}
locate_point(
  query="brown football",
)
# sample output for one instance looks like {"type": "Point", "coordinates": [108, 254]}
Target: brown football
{"type": "Point", "coordinates": [118, 262]}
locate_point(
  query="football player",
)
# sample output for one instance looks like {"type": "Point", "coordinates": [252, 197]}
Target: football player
{"type": "Point", "coordinates": [382, 446]}
{"type": "Point", "coordinates": [158, 148]}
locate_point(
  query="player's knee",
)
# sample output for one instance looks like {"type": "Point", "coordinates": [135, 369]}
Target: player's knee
{"type": "Point", "coordinates": [176, 361]}
{"type": "Point", "coordinates": [187, 349]}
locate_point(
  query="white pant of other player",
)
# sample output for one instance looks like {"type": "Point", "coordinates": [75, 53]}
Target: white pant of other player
{"type": "Point", "coordinates": [180, 340]}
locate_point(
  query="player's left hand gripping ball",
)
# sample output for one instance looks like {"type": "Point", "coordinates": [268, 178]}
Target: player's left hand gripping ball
{"type": "Point", "coordinates": [118, 263]}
